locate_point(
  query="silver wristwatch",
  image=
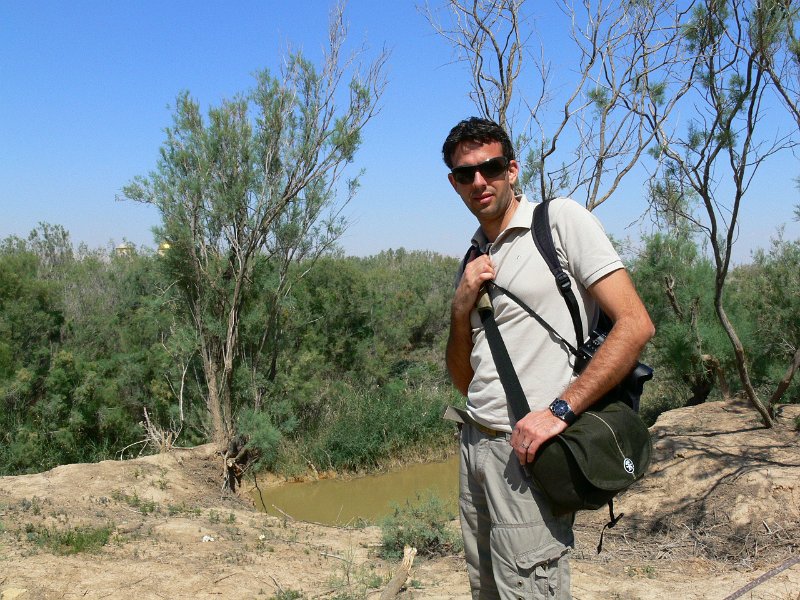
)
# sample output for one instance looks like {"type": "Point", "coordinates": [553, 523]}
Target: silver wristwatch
{"type": "Point", "coordinates": [561, 409]}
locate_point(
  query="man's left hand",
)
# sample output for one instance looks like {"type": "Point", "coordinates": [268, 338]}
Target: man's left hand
{"type": "Point", "coordinates": [533, 431]}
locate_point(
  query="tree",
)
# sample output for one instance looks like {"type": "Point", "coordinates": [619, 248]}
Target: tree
{"type": "Point", "coordinates": [242, 189]}
{"type": "Point", "coordinates": [773, 44]}
{"type": "Point", "coordinates": [675, 280]}
{"type": "Point", "coordinates": [771, 292]}
{"type": "Point", "coordinates": [721, 149]}
{"type": "Point", "coordinates": [487, 35]}
{"type": "Point", "coordinates": [581, 134]}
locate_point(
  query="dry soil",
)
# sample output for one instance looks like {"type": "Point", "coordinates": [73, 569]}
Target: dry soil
{"type": "Point", "coordinates": [718, 512]}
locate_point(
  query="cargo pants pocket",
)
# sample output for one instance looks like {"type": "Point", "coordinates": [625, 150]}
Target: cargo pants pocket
{"type": "Point", "coordinates": [547, 571]}
{"type": "Point", "coordinates": [535, 565]}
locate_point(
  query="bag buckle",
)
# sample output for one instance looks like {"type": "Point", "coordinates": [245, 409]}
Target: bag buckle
{"type": "Point", "coordinates": [564, 284]}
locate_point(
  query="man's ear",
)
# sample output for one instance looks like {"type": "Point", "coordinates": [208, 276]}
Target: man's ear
{"type": "Point", "coordinates": [513, 171]}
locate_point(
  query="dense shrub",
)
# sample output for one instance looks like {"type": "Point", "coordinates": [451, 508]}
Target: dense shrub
{"type": "Point", "coordinates": [425, 525]}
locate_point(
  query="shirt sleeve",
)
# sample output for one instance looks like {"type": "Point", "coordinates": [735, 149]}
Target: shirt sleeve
{"type": "Point", "coordinates": [581, 242]}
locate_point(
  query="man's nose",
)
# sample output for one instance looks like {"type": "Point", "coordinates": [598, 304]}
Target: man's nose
{"type": "Point", "coordinates": [478, 179]}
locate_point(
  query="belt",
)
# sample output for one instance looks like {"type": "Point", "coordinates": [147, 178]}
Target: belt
{"type": "Point", "coordinates": [459, 415]}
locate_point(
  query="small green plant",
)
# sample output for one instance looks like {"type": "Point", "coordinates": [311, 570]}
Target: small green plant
{"type": "Point", "coordinates": [144, 506]}
{"type": "Point", "coordinates": [423, 525]}
{"type": "Point", "coordinates": [70, 541]}
{"type": "Point", "coordinates": [372, 580]}
{"type": "Point", "coordinates": [648, 571]}
{"type": "Point", "coordinates": [287, 595]}
{"type": "Point", "coordinates": [161, 482]}
{"type": "Point", "coordinates": [353, 580]}
{"type": "Point", "coordinates": [213, 517]}
{"type": "Point", "coordinates": [182, 509]}
{"type": "Point", "coordinates": [34, 505]}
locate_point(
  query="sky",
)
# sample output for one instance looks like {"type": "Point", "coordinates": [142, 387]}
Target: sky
{"type": "Point", "coordinates": [87, 88]}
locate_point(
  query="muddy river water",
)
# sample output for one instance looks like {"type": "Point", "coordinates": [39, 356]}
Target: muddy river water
{"type": "Point", "coordinates": [339, 501]}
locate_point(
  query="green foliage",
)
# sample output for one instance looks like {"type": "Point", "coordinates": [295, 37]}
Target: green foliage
{"type": "Point", "coordinates": [69, 541]}
{"type": "Point", "coordinates": [87, 332]}
{"type": "Point", "coordinates": [676, 284]}
{"type": "Point", "coordinates": [362, 428]}
{"type": "Point", "coordinates": [262, 437]}
{"type": "Point", "coordinates": [706, 25]}
{"type": "Point", "coordinates": [92, 339]}
{"type": "Point", "coordinates": [599, 96]}
{"type": "Point", "coordinates": [772, 21]}
{"type": "Point", "coordinates": [769, 290]}
{"type": "Point", "coordinates": [249, 191]}
{"type": "Point", "coordinates": [658, 93]}
{"type": "Point", "coordinates": [143, 505]}
{"type": "Point", "coordinates": [424, 525]}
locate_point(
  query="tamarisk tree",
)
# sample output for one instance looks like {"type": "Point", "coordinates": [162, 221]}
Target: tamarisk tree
{"type": "Point", "coordinates": [255, 186]}
{"type": "Point", "coordinates": [716, 156]}
{"type": "Point", "coordinates": [587, 113]}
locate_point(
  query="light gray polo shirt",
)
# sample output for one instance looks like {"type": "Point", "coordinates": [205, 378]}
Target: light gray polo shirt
{"type": "Point", "coordinates": [543, 364]}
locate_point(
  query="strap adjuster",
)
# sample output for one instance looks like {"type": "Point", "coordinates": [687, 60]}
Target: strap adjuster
{"type": "Point", "coordinates": [564, 284]}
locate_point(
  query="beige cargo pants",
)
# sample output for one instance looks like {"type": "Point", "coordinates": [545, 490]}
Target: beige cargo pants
{"type": "Point", "coordinates": [515, 547]}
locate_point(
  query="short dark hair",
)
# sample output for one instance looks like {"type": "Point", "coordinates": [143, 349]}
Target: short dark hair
{"type": "Point", "coordinates": [476, 129]}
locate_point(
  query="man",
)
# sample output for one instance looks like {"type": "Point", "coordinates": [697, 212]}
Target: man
{"type": "Point", "coordinates": [515, 545]}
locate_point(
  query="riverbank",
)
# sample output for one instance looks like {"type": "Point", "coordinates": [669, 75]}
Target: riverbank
{"type": "Point", "coordinates": [720, 508]}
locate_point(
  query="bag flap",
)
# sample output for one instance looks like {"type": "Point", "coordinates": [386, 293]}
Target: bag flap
{"type": "Point", "coordinates": [610, 444]}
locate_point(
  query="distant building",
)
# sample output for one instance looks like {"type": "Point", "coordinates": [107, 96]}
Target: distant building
{"type": "Point", "coordinates": [124, 249]}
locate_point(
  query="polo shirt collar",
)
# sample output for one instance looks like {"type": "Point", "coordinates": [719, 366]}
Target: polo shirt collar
{"type": "Point", "coordinates": [521, 220]}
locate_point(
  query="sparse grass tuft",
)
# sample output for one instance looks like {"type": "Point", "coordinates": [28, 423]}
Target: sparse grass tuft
{"type": "Point", "coordinates": [182, 509]}
{"type": "Point", "coordinates": [144, 506]}
{"type": "Point", "coordinates": [34, 505]}
{"type": "Point", "coordinates": [70, 541]}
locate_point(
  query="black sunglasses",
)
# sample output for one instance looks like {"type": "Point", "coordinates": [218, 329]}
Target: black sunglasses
{"type": "Point", "coordinates": [494, 167]}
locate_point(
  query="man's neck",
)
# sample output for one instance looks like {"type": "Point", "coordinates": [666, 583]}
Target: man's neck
{"type": "Point", "coordinates": [492, 229]}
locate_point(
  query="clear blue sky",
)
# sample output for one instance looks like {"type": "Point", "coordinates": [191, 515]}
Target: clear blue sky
{"type": "Point", "coordinates": [86, 89]}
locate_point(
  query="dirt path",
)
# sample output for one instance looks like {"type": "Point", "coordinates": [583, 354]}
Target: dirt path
{"type": "Point", "coordinates": [720, 508]}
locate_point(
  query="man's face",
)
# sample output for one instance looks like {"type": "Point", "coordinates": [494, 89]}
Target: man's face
{"type": "Point", "coordinates": [490, 199]}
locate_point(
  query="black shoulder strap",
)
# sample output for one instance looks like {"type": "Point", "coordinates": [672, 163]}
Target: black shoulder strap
{"type": "Point", "coordinates": [543, 238]}
{"type": "Point", "coordinates": [505, 369]}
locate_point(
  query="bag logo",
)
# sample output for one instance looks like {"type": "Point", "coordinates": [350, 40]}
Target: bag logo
{"type": "Point", "coordinates": [629, 466]}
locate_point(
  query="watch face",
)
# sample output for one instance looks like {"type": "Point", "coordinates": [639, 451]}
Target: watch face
{"type": "Point", "coordinates": [559, 408]}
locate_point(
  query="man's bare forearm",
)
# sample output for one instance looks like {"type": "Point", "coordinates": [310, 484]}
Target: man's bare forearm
{"type": "Point", "coordinates": [459, 348]}
{"type": "Point", "coordinates": [620, 352]}
{"type": "Point", "coordinates": [613, 360]}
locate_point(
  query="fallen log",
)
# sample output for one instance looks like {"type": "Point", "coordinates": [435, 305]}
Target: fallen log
{"type": "Point", "coordinates": [400, 576]}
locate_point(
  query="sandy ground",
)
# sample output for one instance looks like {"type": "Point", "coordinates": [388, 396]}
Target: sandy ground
{"type": "Point", "coordinates": [719, 510]}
